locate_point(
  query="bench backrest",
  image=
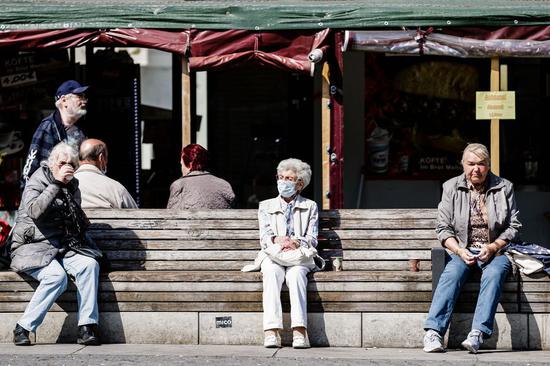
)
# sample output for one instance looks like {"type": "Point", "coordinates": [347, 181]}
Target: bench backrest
{"type": "Point", "coordinates": [159, 239]}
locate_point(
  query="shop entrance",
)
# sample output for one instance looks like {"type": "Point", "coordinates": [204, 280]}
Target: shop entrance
{"type": "Point", "coordinates": [257, 117]}
{"type": "Point", "coordinates": [419, 116]}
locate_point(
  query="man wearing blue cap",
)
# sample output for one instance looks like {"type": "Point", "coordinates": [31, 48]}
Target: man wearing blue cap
{"type": "Point", "coordinates": [70, 102]}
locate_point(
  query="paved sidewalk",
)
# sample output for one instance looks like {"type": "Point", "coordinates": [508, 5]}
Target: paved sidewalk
{"type": "Point", "coordinates": [139, 354]}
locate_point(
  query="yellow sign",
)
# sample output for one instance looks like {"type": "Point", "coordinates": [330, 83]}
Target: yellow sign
{"type": "Point", "coordinates": [496, 105]}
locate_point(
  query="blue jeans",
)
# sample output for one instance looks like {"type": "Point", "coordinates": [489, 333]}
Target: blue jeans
{"type": "Point", "coordinates": [452, 279]}
{"type": "Point", "coordinates": [53, 282]}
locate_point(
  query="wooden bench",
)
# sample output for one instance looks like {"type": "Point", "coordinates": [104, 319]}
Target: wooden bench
{"type": "Point", "coordinates": [175, 278]}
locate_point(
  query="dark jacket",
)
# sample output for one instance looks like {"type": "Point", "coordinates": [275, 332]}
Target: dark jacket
{"type": "Point", "coordinates": [454, 210]}
{"type": "Point", "coordinates": [40, 226]}
{"type": "Point", "coordinates": [49, 133]}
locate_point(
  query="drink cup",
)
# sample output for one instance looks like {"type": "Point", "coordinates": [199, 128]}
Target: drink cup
{"type": "Point", "coordinates": [336, 263]}
{"type": "Point", "coordinates": [414, 265]}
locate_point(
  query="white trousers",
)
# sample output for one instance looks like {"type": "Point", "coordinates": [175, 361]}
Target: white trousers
{"type": "Point", "coordinates": [296, 280]}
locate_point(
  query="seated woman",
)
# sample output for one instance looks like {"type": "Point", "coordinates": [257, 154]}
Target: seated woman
{"type": "Point", "coordinates": [198, 188]}
{"type": "Point", "coordinates": [477, 216]}
{"type": "Point", "coordinates": [291, 221]}
{"type": "Point", "coordinates": [49, 225]}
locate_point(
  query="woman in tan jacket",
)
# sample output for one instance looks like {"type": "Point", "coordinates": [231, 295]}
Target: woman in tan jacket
{"type": "Point", "coordinates": [197, 188]}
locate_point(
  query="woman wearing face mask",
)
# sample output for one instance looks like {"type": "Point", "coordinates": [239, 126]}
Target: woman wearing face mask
{"type": "Point", "coordinates": [290, 221]}
{"type": "Point", "coordinates": [198, 188]}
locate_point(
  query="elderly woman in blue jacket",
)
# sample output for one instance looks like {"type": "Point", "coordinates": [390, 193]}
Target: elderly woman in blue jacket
{"type": "Point", "coordinates": [290, 221]}
{"type": "Point", "coordinates": [477, 217]}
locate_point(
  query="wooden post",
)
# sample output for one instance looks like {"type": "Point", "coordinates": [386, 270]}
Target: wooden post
{"type": "Point", "coordinates": [185, 103]}
{"type": "Point", "coordinates": [503, 77]}
{"type": "Point", "coordinates": [325, 135]}
{"type": "Point", "coordinates": [495, 123]}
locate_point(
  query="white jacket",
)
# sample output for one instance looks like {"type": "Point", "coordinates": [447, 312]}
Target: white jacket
{"type": "Point", "coordinates": [272, 221]}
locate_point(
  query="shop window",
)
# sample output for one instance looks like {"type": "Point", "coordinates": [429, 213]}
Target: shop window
{"type": "Point", "coordinates": [524, 141]}
{"type": "Point", "coordinates": [28, 81]}
{"type": "Point", "coordinates": [420, 114]}
{"type": "Point", "coordinates": [258, 116]}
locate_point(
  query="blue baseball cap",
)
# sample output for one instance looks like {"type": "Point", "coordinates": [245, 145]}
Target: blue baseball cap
{"type": "Point", "coordinates": [70, 87]}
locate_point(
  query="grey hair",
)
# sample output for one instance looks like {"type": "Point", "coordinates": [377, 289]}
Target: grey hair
{"type": "Point", "coordinates": [58, 103]}
{"type": "Point", "coordinates": [300, 168]}
{"type": "Point", "coordinates": [63, 149]}
{"type": "Point", "coordinates": [478, 150]}
{"type": "Point", "coordinates": [58, 100]}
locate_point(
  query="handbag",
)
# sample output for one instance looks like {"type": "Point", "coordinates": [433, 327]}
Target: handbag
{"type": "Point", "coordinates": [76, 224]}
{"type": "Point", "coordinates": [302, 256]}
{"type": "Point", "coordinates": [525, 263]}
{"type": "Point", "coordinates": [76, 245]}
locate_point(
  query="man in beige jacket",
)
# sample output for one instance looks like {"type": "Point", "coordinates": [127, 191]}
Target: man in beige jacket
{"type": "Point", "coordinates": [98, 190]}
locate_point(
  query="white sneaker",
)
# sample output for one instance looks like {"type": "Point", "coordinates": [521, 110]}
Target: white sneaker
{"type": "Point", "coordinates": [473, 341]}
{"type": "Point", "coordinates": [299, 341]}
{"type": "Point", "coordinates": [433, 342]}
{"type": "Point", "coordinates": [272, 341]}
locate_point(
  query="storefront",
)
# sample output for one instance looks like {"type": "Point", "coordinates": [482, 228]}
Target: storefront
{"type": "Point", "coordinates": [253, 124]}
{"type": "Point", "coordinates": [423, 114]}
{"type": "Point", "coordinates": [420, 112]}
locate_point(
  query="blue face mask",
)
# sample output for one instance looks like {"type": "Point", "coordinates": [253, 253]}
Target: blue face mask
{"type": "Point", "coordinates": [286, 188]}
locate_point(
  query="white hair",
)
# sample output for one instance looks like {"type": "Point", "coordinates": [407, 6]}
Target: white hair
{"type": "Point", "coordinates": [65, 151]}
{"type": "Point", "coordinates": [478, 150]}
{"type": "Point", "coordinates": [58, 103]}
{"type": "Point", "coordinates": [301, 169]}
{"type": "Point", "coordinates": [78, 112]}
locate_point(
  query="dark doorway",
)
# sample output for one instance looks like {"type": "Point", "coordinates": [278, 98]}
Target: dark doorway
{"type": "Point", "coordinates": [114, 114]}
{"type": "Point", "coordinates": [257, 117]}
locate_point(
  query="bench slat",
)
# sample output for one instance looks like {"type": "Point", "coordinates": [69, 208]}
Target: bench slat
{"type": "Point", "coordinates": [233, 286]}
{"type": "Point", "coordinates": [198, 265]}
{"type": "Point", "coordinates": [247, 214]}
{"type": "Point", "coordinates": [409, 234]}
{"type": "Point", "coordinates": [232, 276]}
{"type": "Point", "coordinates": [251, 254]}
{"type": "Point", "coordinates": [229, 244]}
{"type": "Point", "coordinates": [406, 307]}
{"type": "Point", "coordinates": [70, 296]}
{"type": "Point", "coordinates": [136, 244]}
{"type": "Point", "coordinates": [240, 224]}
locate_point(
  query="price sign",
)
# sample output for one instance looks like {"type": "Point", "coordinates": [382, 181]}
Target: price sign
{"type": "Point", "coordinates": [496, 105]}
{"type": "Point", "coordinates": [18, 79]}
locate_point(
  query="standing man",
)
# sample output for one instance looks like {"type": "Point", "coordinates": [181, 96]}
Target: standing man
{"type": "Point", "coordinates": [477, 218]}
{"type": "Point", "coordinates": [70, 102]}
{"type": "Point", "coordinates": [98, 190]}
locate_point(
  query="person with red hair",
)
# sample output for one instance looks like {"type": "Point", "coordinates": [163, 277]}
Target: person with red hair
{"type": "Point", "coordinates": [198, 188]}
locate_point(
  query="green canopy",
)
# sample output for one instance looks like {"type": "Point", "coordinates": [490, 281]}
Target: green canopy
{"type": "Point", "coordinates": [269, 14]}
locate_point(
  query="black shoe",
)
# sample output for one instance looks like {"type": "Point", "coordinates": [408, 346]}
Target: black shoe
{"type": "Point", "coordinates": [87, 335]}
{"type": "Point", "coordinates": [21, 336]}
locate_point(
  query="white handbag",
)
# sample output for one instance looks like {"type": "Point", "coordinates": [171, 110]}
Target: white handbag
{"type": "Point", "coordinates": [525, 263]}
{"type": "Point", "coordinates": [301, 256]}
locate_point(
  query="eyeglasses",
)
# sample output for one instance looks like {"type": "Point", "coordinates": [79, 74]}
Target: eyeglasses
{"type": "Point", "coordinates": [82, 97]}
{"type": "Point", "coordinates": [62, 163]}
{"type": "Point", "coordinates": [287, 178]}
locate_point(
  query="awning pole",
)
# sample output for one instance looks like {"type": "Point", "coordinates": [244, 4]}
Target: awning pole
{"type": "Point", "coordinates": [325, 136]}
{"type": "Point", "coordinates": [185, 103]}
{"type": "Point", "coordinates": [495, 123]}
